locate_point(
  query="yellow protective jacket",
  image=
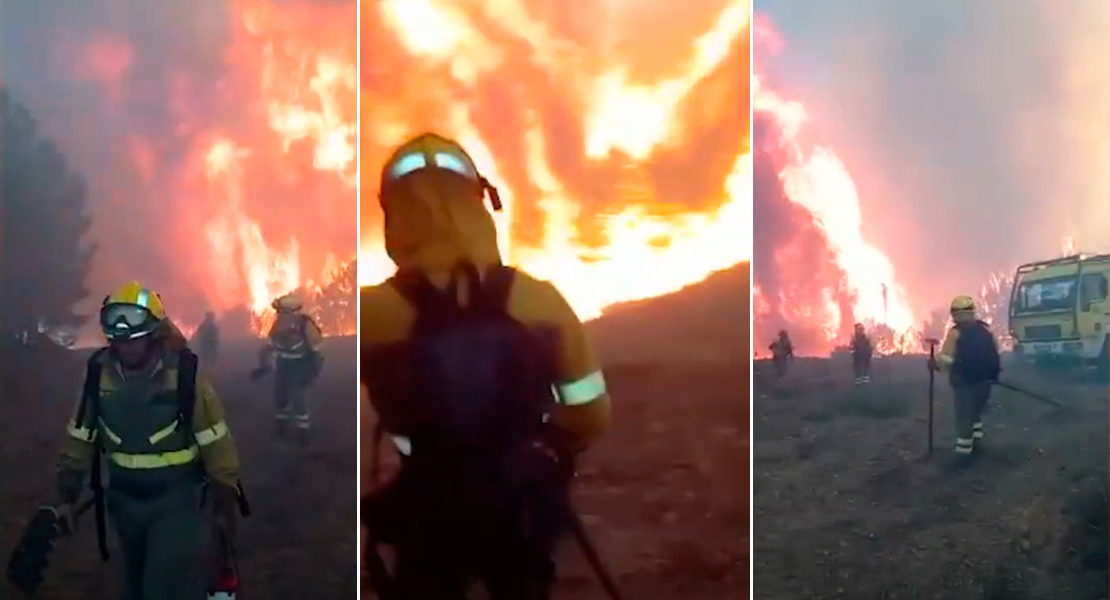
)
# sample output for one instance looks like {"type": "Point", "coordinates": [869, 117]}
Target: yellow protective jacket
{"type": "Point", "coordinates": [431, 230]}
{"type": "Point", "coordinates": [286, 333]}
{"type": "Point", "coordinates": [140, 430]}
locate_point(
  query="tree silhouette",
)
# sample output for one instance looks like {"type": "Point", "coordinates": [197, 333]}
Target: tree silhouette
{"type": "Point", "coordinates": [43, 261]}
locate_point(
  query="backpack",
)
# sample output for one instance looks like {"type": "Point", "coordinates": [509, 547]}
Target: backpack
{"type": "Point", "coordinates": [977, 358]}
{"type": "Point", "coordinates": [479, 380]}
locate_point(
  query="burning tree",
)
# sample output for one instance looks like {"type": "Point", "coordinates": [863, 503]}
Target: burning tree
{"type": "Point", "coordinates": [43, 261]}
{"type": "Point", "coordinates": [335, 307]}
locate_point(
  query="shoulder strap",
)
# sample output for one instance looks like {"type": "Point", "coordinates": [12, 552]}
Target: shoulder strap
{"type": "Point", "coordinates": [187, 387]}
{"type": "Point", "coordinates": [90, 395]}
{"type": "Point", "coordinates": [495, 288]}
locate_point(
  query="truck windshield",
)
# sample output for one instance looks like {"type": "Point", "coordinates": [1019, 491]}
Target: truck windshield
{"type": "Point", "coordinates": [1044, 295]}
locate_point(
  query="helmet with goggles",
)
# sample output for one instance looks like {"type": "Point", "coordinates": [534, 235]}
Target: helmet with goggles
{"type": "Point", "coordinates": [131, 312]}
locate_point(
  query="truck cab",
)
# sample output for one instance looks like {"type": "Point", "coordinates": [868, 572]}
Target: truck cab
{"type": "Point", "coordinates": [1059, 312]}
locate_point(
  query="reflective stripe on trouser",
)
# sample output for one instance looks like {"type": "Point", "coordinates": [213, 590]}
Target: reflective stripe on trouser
{"type": "Point", "coordinates": [964, 445]}
{"type": "Point", "coordinates": [970, 400]}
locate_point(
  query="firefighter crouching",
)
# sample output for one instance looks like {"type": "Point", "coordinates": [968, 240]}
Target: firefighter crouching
{"type": "Point", "coordinates": [969, 354]}
{"type": "Point", "coordinates": [862, 351]}
{"type": "Point", "coordinates": [161, 429]}
{"type": "Point", "coordinates": [782, 351]}
{"type": "Point", "coordinates": [294, 344]}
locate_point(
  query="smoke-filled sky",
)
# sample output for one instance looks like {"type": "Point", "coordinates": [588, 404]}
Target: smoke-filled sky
{"type": "Point", "coordinates": [135, 93]}
{"type": "Point", "coordinates": [978, 133]}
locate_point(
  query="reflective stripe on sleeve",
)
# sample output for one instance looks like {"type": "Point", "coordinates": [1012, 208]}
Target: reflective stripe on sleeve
{"type": "Point", "coordinates": [84, 434]}
{"type": "Point", "coordinates": [212, 434]}
{"type": "Point", "coordinates": [160, 460]}
{"type": "Point", "coordinates": [111, 434]}
{"type": "Point", "coordinates": [583, 391]}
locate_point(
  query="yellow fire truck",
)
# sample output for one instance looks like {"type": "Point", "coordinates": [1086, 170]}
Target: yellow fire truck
{"type": "Point", "coordinates": [1059, 312]}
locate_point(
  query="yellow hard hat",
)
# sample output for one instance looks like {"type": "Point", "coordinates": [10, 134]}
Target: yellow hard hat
{"type": "Point", "coordinates": [962, 304]}
{"type": "Point", "coordinates": [131, 312]}
{"type": "Point", "coordinates": [430, 151]}
{"type": "Point", "coordinates": [288, 303]}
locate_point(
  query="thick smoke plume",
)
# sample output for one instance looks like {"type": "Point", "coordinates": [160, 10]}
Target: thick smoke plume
{"type": "Point", "coordinates": [133, 92]}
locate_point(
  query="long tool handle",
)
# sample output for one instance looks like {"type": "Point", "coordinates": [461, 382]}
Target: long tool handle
{"type": "Point", "coordinates": [932, 380]}
{"type": "Point", "coordinates": [593, 558]}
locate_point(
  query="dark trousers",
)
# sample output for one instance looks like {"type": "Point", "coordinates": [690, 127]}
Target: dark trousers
{"type": "Point", "coordinates": [970, 403]}
{"type": "Point", "coordinates": [443, 542]}
{"type": "Point", "coordinates": [163, 544]}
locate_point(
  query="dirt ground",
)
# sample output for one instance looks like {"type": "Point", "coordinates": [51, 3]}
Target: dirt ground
{"type": "Point", "coordinates": [301, 540]}
{"type": "Point", "coordinates": [665, 493]}
{"type": "Point", "coordinates": [846, 506]}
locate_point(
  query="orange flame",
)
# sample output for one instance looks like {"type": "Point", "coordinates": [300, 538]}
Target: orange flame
{"type": "Point", "coordinates": [639, 247]}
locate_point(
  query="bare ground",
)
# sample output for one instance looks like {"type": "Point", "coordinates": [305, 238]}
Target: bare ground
{"type": "Point", "coordinates": [846, 506]}
{"type": "Point", "coordinates": [301, 540]}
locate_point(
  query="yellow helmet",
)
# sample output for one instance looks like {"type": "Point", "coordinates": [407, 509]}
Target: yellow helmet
{"type": "Point", "coordinates": [962, 304]}
{"type": "Point", "coordinates": [288, 303]}
{"type": "Point", "coordinates": [429, 151]}
{"type": "Point", "coordinates": [131, 312]}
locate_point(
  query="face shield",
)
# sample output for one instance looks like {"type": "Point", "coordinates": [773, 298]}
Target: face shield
{"type": "Point", "coordinates": [126, 322]}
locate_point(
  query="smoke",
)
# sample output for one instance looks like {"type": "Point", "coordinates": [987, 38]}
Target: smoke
{"type": "Point", "coordinates": [132, 91]}
{"type": "Point", "coordinates": [978, 133]}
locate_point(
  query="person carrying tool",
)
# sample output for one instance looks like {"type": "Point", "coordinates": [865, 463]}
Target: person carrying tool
{"type": "Point", "coordinates": [293, 343]}
{"type": "Point", "coordinates": [861, 355]}
{"type": "Point", "coordinates": [460, 356]}
{"type": "Point", "coordinates": [162, 430]}
{"type": "Point", "coordinates": [969, 354]}
{"type": "Point", "coordinates": [206, 340]}
{"type": "Point", "coordinates": [782, 352]}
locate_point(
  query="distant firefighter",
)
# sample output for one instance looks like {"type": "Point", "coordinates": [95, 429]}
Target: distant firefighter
{"type": "Point", "coordinates": [862, 350]}
{"type": "Point", "coordinates": [294, 344]}
{"type": "Point", "coordinates": [782, 352]}
{"type": "Point", "coordinates": [206, 340]}
{"type": "Point", "coordinates": [970, 355]}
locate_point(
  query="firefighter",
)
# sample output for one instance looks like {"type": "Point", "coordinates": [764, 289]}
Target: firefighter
{"type": "Point", "coordinates": [782, 352]}
{"type": "Point", "coordinates": [969, 354]}
{"type": "Point", "coordinates": [442, 238]}
{"type": "Point", "coordinates": [861, 355]}
{"type": "Point", "coordinates": [293, 343]}
{"type": "Point", "coordinates": [206, 340]}
{"type": "Point", "coordinates": [162, 430]}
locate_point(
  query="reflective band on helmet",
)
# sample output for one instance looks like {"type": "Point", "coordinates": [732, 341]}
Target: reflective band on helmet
{"type": "Point", "coordinates": [163, 433]}
{"type": "Point", "coordinates": [84, 434]}
{"type": "Point", "coordinates": [212, 434]}
{"type": "Point", "coordinates": [583, 391]}
{"type": "Point", "coordinates": [161, 460]}
{"type": "Point", "coordinates": [407, 164]}
{"type": "Point", "coordinates": [455, 164]}
{"type": "Point", "coordinates": [402, 444]}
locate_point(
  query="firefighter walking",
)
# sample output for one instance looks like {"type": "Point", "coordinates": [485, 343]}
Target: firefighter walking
{"type": "Point", "coordinates": [969, 354]}
{"type": "Point", "coordinates": [862, 350]}
{"type": "Point", "coordinates": [162, 430]}
{"type": "Point", "coordinates": [782, 352]}
{"type": "Point", "coordinates": [293, 345]}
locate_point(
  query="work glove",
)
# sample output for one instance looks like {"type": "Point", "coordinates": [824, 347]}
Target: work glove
{"type": "Point", "coordinates": [67, 521]}
{"type": "Point", "coordinates": [225, 508]}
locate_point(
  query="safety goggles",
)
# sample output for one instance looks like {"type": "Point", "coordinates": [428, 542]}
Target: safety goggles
{"type": "Point", "coordinates": [126, 321]}
{"type": "Point", "coordinates": [412, 162]}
